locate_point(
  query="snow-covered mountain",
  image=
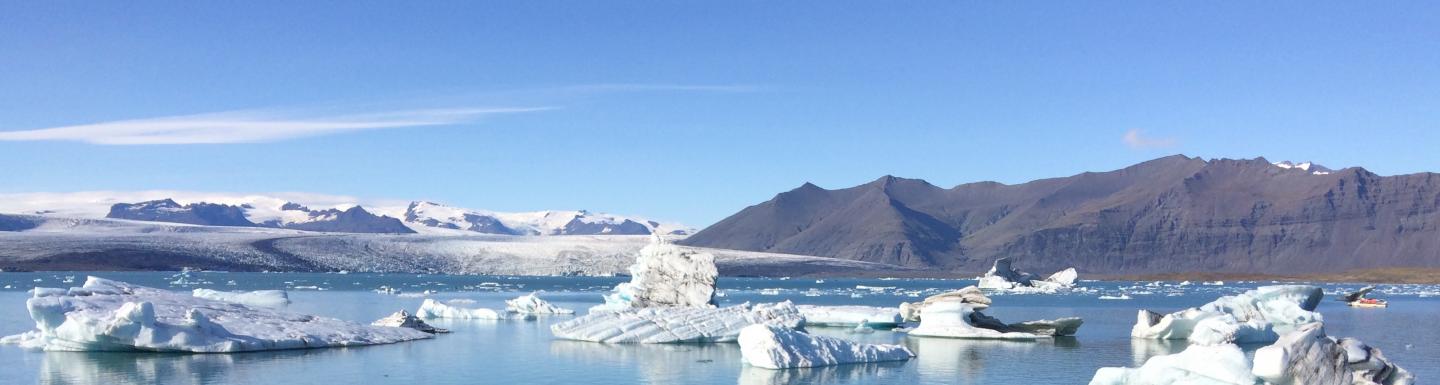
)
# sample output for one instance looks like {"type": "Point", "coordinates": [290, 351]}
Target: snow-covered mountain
{"type": "Point", "coordinates": [550, 222]}
{"type": "Point", "coordinates": [1312, 168]}
{"type": "Point", "coordinates": [327, 213]}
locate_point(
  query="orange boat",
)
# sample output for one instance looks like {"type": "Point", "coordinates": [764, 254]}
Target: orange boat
{"type": "Point", "coordinates": [1369, 302]}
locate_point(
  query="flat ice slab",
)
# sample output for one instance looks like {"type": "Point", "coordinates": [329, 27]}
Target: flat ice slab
{"type": "Point", "coordinates": [850, 315]}
{"type": "Point", "coordinates": [958, 319]}
{"type": "Point", "coordinates": [658, 325]}
{"type": "Point", "coordinates": [778, 347]}
{"type": "Point", "coordinates": [105, 315]}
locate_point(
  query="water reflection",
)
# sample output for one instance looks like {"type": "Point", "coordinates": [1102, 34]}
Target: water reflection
{"type": "Point", "coordinates": [656, 363]}
{"type": "Point", "coordinates": [947, 359]}
{"type": "Point", "coordinates": [160, 368]}
{"type": "Point", "coordinates": [881, 372]}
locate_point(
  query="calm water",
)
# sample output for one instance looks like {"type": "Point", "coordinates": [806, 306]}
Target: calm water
{"type": "Point", "coordinates": [507, 352]}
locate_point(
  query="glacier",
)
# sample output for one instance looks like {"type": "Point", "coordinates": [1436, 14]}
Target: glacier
{"type": "Point", "coordinates": [259, 298]}
{"type": "Point", "coordinates": [674, 324]}
{"type": "Point", "coordinates": [777, 347]}
{"type": "Point", "coordinates": [1260, 315]}
{"type": "Point", "coordinates": [106, 315]}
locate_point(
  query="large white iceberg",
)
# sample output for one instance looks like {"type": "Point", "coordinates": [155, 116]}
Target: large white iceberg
{"type": "Point", "coordinates": [261, 298]}
{"type": "Point", "coordinates": [777, 347]}
{"type": "Point", "coordinates": [532, 304]}
{"type": "Point", "coordinates": [1305, 356]}
{"type": "Point", "coordinates": [1003, 277]}
{"type": "Point", "coordinates": [666, 275]}
{"type": "Point", "coordinates": [851, 315]}
{"type": "Point", "coordinates": [1259, 315]}
{"type": "Point", "coordinates": [105, 315]}
{"type": "Point", "coordinates": [436, 309]}
{"type": "Point", "coordinates": [958, 319]}
{"type": "Point", "coordinates": [675, 324]}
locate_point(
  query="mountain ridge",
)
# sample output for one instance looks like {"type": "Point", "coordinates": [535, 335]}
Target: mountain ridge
{"type": "Point", "coordinates": [1174, 212]}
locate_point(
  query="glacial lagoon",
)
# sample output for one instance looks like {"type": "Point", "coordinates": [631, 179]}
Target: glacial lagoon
{"type": "Point", "coordinates": [518, 351]}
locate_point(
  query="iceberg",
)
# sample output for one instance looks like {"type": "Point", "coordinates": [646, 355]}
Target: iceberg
{"type": "Point", "coordinates": [1305, 356]}
{"type": "Point", "coordinates": [106, 315]}
{"type": "Point", "coordinates": [1003, 277]}
{"type": "Point", "coordinates": [1260, 315]}
{"type": "Point", "coordinates": [657, 325]}
{"type": "Point", "coordinates": [436, 309]}
{"type": "Point", "coordinates": [864, 316]}
{"type": "Point", "coordinates": [665, 275]}
{"type": "Point", "coordinates": [959, 319]}
{"type": "Point", "coordinates": [777, 347]}
{"type": "Point", "coordinates": [532, 304]}
{"type": "Point", "coordinates": [910, 311]}
{"type": "Point", "coordinates": [259, 298]}
{"type": "Point", "coordinates": [403, 319]}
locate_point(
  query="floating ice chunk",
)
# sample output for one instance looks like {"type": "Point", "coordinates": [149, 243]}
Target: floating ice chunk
{"type": "Point", "coordinates": [435, 309]}
{"type": "Point", "coordinates": [1223, 364]}
{"type": "Point", "coordinates": [1003, 277]}
{"type": "Point", "coordinates": [665, 275]}
{"type": "Point", "coordinates": [776, 347]}
{"type": "Point", "coordinates": [532, 304]}
{"type": "Point", "coordinates": [1305, 356]}
{"type": "Point", "coordinates": [403, 319]}
{"type": "Point", "coordinates": [261, 298]}
{"type": "Point", "coordinates": [1260, 315]}
{"type": "Point", "coordinates": [850, 315]}
{"type": "Point", "coordinates": [655, 325]}
{"type": "Point", "coordinates": [105, 315]}
{"type": "Point", "coordinates": [910, 311]}
{"type": "Point", "coordinates": [957, 319]}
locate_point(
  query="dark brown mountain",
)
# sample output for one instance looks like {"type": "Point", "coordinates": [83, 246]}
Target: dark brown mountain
{"type": "Point", "coordinates": [1173, 214]}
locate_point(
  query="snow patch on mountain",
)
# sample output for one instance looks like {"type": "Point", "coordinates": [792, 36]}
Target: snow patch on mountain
{"type": "Point", "coordinates": [311, 212]}
{"type": "Point", "coordinates": [1312, 168]}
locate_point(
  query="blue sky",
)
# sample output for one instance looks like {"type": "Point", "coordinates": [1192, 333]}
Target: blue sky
{"type": "Point", "coordinates": [690, 111]}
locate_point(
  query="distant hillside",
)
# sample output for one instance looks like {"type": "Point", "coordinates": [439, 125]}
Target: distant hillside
{"type": "Point", "coordinates": [1173, 214]}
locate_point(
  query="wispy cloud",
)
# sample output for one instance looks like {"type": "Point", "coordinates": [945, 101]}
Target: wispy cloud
{"type": "Point", "coordinates": [1136, 139]}
{"type": "Point", "coordinates": [250, 126]}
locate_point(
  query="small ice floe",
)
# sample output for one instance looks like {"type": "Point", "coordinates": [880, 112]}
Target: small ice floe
{"type": "Point", "coordinates": [676, 324]}
{"type": "Point", "coordinates": [260, 298]}
{"type": "Point", "coordinates": [388, 290]}
{"type": "Point", "coordinates": [434, 309]}
{"type": "Point", "coordinates": [532, 304]}
{"type": "Point", "coordinates": [777, 347]}
{"type": "Point", "coordinates": [1303, 356]}
{"type": "Point", "coordinates": [865, 316]}
{"type": "Point", "coordinates": [958, 316]}
{"type": "Point", "coordinates": [1214, 283]}
{"type": "Point", "coordinates": [819, 281]}
{"type": "Point", "coordinates": [1002, 277]}
{"type": "Point", "coordinates": [770, 292]}
{"type": "Point", "coordinates": [403, 319]}
{"type": "Point", "coordinates": [105, 315]}
{"type": "Point", "coordinates": [1120, 297]}
{"type": "Point", "coordinates": [1259, 315]}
